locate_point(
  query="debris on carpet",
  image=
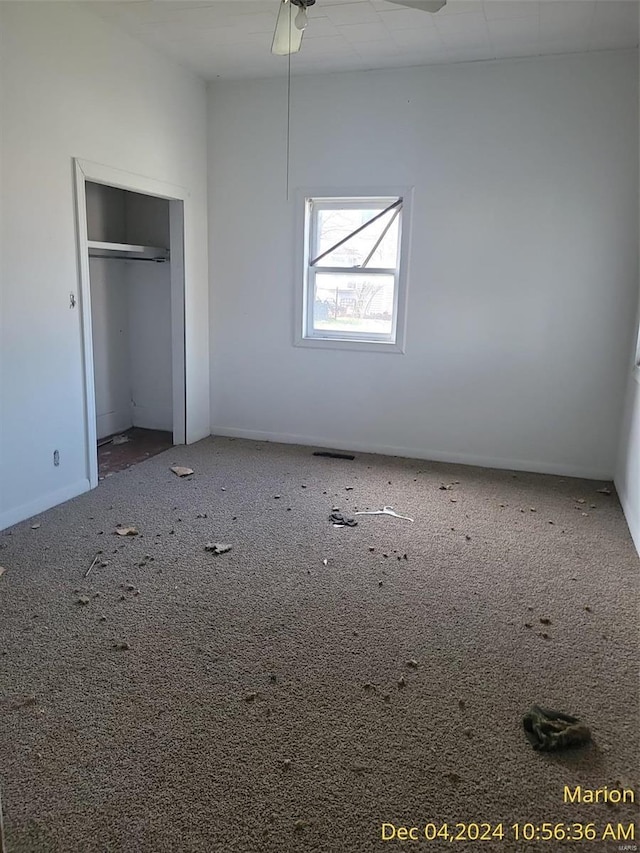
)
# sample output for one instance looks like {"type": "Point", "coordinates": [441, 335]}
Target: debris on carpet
{"type": "Point", "coordinates": [120, 439]}
{"type": "Point", "coordinates": [94, 561]}
{"type": "Point", "coordinates": [180, 471]}
{"type": "Point", "coordinates": [548, 730]}
{"type": "Point", "coordinates": [122, 646]}
{"type": "Point", "coordinates": [217, 547]}
{"type": "Point", "coordinates": [386, 510]}
{"type": "Point", "coordinates": [25, 702]}
{"type": "Point", "coordinates": [341, 520]}
{"type": "Point", "coordinates": [604, 491]}
{"type": "Point", "coordinates": [126, 531]}
{"type": "Point", "coordinates": [2, 570]}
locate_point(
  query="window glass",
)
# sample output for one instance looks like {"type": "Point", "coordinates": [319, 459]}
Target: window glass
{"type": "Point", "coordinates": [335, 225]}
{"type": "Point", "coordinates": [353, 303]}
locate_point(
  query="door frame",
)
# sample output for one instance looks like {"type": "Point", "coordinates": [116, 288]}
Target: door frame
{"type": "Point", "coordinates": [85, 170]}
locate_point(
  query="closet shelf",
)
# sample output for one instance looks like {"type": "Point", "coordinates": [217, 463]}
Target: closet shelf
{"type": "Point", "coordinates": [127, 251]}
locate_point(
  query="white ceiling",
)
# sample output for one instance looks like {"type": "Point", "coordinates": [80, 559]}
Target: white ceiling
{"type": "Point", "coordinates": [232, 38]}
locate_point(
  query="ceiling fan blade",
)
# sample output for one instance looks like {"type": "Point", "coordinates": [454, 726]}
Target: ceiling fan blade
{"type": "Point", "coordinates": [424, 5]}
{"type": "Point", "coordinates": [287, 38]}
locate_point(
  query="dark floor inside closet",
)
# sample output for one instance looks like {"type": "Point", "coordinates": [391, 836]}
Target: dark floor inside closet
{"type": "Point", "coordinates": [117, 452]}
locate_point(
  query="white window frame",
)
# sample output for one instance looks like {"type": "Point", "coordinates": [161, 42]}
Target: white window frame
{"type": "Point", "coordinates": [305, 335]}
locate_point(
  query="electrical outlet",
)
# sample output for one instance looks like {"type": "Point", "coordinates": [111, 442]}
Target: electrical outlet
{"type": "Point", "coordinates": [56, 457]}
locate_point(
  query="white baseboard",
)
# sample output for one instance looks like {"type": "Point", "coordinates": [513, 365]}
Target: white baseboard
{"type": "Point", "coordinates": [20, 513]}
{"type": "Point", "coordinates": [413, 453]}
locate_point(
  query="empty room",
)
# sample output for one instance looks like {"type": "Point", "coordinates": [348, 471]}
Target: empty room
{"type": "Point", "coordinates": [319, 426]}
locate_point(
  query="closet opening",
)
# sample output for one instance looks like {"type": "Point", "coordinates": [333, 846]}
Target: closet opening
{"type": "Point", "coordinates": [132, 290]}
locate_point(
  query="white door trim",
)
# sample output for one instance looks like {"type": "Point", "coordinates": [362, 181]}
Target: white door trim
{"type": "Point", "coordinates": [85, 170]}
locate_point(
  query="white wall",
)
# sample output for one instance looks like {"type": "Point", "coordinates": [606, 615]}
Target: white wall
{"type": "Point", "coordinates": [149, 300]}
{"type": "Point", "coordinates": [73, 86]}
{"type": "Point", "coordinates": [147, 220]}
{"type": "Point", "coordinates": [522, 271]}
{"type": "Point", "coordinates": [131, 320]}
{"type": "Point", "coordinates": [106, 213]}
{"type": "Point", "coordinates": [111, 350]}
{"type": "Point", "coordinates": [628, 469]}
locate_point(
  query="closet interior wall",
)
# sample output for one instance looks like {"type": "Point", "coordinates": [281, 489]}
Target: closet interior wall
{"type": "Point", "coordinates": [130, 313]}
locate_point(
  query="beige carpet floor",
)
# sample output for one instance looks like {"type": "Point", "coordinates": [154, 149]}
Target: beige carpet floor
{"type": "Point", "coordinates": [261, 699]}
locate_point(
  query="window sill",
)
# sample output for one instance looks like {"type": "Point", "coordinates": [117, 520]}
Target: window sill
{"type": "Point", "coordinates": [353, 346]}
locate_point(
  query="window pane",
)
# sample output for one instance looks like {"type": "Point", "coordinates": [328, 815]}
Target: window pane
{"type": "Point", "coordinates": [335, 225]}
{"type": "Point", "coordinates": [353, 304]}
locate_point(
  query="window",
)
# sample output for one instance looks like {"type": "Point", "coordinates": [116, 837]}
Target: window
{"type": "Point", "coordinates": [354, 276]}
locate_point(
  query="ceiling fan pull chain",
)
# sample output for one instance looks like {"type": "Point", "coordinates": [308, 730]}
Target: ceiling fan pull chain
{"type": "Point", "coordinates": [288, 117]}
